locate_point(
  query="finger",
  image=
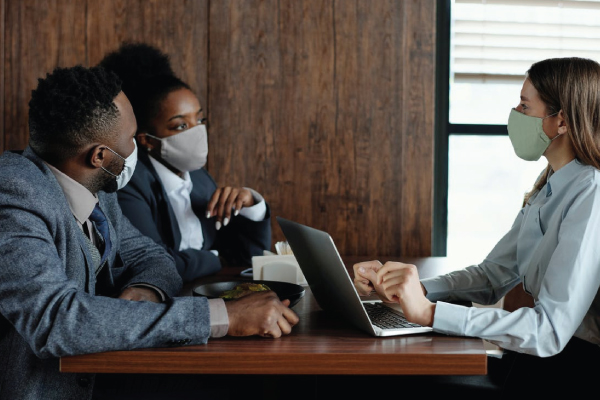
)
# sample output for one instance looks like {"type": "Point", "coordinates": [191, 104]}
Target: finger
{"type": "Point", "coordinates": [220, 207]}
{"type": "Point", "coordinates": [388, 267]}
{"type": "Point", "coordinates": [364, 287]}
{"type": "Point", "coordinates": [239, 204]}
{"type": "Point", "coordinates": [233, 194]}
{"type": "Point", "coordinates": [394, 292]}
{"type": "Point", "coordinates": [369, 274]}
{"type": "Point", "coordinates": [266, 334]}
{"type": "Point", "coordinates": [290, 316]}
{"type": "Point", "coordinates": [365, 277]}
{"type": "Point", "coordinates": [374, 264]}
{"type": "Point", "coordinates": [212, 203]}
{"type": "Point", "coordinates": [284, 326]}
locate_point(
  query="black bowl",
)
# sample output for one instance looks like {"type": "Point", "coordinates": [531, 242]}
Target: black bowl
{"type": "Point", "coordinates": [284, 290]}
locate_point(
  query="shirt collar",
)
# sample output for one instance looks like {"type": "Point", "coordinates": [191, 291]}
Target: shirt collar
{"type": "Point", "coordinates": [81, 200]}
{"type": "Point", "coordinates": [559, 179]}
{"type": "Point", "coordinates": [170, 180]}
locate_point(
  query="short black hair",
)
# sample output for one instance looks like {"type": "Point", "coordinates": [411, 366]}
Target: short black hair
{"type": "Point", "coordinates": [70, 108]}
{"type": "Point", "coordinates": [147, 78]}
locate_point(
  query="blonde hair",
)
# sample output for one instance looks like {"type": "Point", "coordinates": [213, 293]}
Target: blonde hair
{"type": "Point", "coordinates": [573, 86]}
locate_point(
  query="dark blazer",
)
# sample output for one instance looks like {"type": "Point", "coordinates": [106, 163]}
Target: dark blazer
{"type": "Point", "coordinates": [145, 202]}
{"type": "Point", "coordinates": [52, 304]}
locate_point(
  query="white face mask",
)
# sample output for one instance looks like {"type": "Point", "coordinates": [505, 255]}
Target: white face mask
{"type": "Point", "coordinates": [186, 151]}
{"type": "Point", "coordinates": [128, 167]}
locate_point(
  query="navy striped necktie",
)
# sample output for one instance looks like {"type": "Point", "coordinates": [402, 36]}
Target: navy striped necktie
{"type": "Point", "coordinates": [99, 219]}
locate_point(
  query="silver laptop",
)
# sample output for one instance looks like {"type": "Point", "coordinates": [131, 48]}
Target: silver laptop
{"type": "Point", "coordinates": [334, 291]}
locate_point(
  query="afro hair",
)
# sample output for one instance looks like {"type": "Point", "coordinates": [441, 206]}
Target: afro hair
{"type": "Point", "coordinates": [147, 78]}
{"type": "Point", "coordinates": [70, 108]}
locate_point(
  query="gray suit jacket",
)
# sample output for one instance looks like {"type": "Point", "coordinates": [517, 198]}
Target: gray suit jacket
{"type": "Point", "coordinates": [52, 303]}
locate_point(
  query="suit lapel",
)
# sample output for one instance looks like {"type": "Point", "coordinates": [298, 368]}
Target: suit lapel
{"type": "Point", "coordinates": [76, 232]}
{"type": "Point", "coordinates": [162, 201]}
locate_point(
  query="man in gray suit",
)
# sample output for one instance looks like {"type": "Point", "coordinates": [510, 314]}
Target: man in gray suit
{"type": "Point", "coordinates": [75, 276]}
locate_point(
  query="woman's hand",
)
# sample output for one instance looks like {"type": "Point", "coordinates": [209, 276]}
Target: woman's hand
{"type": "Point", "coordinates": [400, 284]}
{"type": "Point", "coordinates": [365, 279]}
{"type": "Point", "coordinates": [226, 199]}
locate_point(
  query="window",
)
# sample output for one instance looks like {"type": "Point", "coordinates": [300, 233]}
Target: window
{"type": "Point", "coordinates": [485, 48]}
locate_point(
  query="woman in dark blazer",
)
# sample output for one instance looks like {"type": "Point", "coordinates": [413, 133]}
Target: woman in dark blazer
{"type": "Point", "coordinates": [171, 197]}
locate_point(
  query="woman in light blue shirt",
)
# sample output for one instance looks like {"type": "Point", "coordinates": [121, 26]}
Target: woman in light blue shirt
{"type": "Point", "coordinates": [552, 249]}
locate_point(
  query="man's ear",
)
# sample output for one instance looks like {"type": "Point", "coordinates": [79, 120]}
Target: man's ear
{"type": "Point", "coordinates": [96, 156]}
{"type": "Point", "coordinates": [562, 124]}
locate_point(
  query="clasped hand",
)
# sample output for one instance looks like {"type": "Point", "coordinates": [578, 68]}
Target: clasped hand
{"type": "Point", "coordinates": [396, 282]}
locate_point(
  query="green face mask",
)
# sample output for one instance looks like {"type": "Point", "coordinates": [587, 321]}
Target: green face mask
{"type": "Point", "coordinates": [527, 135]}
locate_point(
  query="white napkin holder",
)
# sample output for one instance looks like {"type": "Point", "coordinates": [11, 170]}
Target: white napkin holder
{"type": "Point", "coordinates": [281, 268]}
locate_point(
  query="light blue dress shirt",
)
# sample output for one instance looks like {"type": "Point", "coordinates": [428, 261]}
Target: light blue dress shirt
{"type": "Point", "coordinates": [553, 249]}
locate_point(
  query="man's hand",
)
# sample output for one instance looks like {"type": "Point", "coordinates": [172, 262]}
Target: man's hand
{"type": "Point", "coordinates": [262, 314]}
{"type": "Point", "coordinates": [400, 283]}
{"type": "Point", "coordinates": [137, 293]}
{"type": "Point", "coordinates": [226, 199]}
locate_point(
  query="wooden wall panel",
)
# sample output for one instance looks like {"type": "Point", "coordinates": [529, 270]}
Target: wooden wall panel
{"type": "Point", "coordinates": [177, 27]}
{"type": "Point", "coordinates": [43, 34]}
{"type": "Point", "coordinates": [39, 36]}
{"type": "Point", "coordinates": [326, 107]}
{"type": "Point", "coordinates": [323, 106]}
{"type": "Point", "coordinates": [417, 132]}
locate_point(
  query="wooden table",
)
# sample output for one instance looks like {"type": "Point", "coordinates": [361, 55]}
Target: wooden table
{"type": "Point", "coordinates": [321, 344]}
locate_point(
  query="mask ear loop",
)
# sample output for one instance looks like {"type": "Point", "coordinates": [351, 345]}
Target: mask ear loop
{"type": "Point", "coordinates": [118, 155]}
{"type": "Point", "coordinates": [551, 115]}
{"type": "Point", "coordinates": [148, 148]}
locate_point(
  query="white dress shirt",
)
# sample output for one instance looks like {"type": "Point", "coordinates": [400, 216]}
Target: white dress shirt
{"type": "Point", "coordinates": [553, 248]}
{"type": "Point", "coordinates": [178, 191]}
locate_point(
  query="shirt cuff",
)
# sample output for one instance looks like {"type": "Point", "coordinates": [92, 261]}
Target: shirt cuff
{"type": "Point", "coordinates": [219, 321]}
{"type": "Point", "coordinates": [258, 211]}
{"type": "Point", "coordinates": [450, 318]}
{"type": "Point", "coordinates": [157, 290]}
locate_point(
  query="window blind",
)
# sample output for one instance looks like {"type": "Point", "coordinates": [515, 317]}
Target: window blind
{"type": "Point", "coordinates": [499, 40]}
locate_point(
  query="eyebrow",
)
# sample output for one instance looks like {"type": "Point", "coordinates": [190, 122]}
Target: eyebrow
{"type": "Point", "coordinates": [181, 116]}
{"type": "Point", "coordinates": [524, 98]}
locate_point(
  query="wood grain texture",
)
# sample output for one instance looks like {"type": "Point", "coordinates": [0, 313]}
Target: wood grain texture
{"type": "Point", "coordinates": [323, 106]}
{"type": "Point", "coordinates": [321, 344]}
{"type": "Point", "coordinates": [39, 36]}
{"type": "Point", "coordinates": [326, 108]}
{"type": "Point", "coordinates": [177, 27]}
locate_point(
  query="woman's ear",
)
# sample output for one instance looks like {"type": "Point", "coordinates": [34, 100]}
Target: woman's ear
{"type": "Point", "coordinates": [143, 141]}
{"type": "Point", "coordinates": [96, 156]}
{"type": "Point", "coordinates": [562, 124]}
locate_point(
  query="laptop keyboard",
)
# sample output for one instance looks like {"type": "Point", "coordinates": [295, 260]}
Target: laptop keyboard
{"type": "Point", "coordinates": [386, 317]}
